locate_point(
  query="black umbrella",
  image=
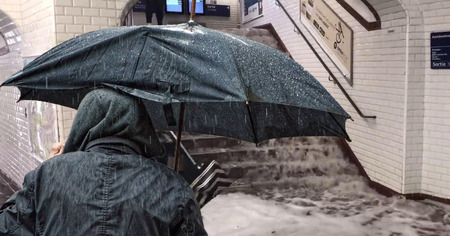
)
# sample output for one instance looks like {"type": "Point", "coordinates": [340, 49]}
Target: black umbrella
{"type": "Point", "coordinates": [227, 85]}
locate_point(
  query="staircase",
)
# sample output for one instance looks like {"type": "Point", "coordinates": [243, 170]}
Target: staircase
{"type": "Point", "coordinates": [277, 162]}
{"type": "Point", "coordinates": [235, 156]}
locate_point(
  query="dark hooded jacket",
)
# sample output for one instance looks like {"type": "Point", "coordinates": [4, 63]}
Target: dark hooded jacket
{"type": "Point", "coordinates": [106, 182]}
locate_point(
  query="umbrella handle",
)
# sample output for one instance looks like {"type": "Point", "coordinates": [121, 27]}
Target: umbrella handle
{"type": "Point", "coordinates": [193, 9]}
{"type": "Point", "coordinates": [180, 130]}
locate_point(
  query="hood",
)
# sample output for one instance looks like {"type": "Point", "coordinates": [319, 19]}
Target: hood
{"type": "Point", "coordinates": [107, 113]}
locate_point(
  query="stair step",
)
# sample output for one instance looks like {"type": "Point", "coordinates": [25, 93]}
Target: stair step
{"type": "Point", "coordinates": [219, 143]}
{"type": "Point", "coordinates": [285, 170]}
{"type": "Point", "coordinates": [225, 155]}
{"type": "Point", "coordinates": [231, 155]}
{"type": "Point", "coordinates": [196, 136]}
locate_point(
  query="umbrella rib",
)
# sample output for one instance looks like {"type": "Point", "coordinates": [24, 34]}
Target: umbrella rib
{"type": "Point", "coordinates": [139, 58]}
{"type": "Point", "coordinates": [348, 137]}
{"type": "Point", "coordinates": [96, 64]}
{"type": "Point", "coordinates": [255, 140]}
{"type": "Point", "coordinates": [238, 68]}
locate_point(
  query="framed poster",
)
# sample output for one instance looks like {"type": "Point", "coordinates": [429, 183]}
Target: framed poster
{"type": "Point", "coordinates": [333, 35]}
{"type": "Point", "coordinates": [251, 10]}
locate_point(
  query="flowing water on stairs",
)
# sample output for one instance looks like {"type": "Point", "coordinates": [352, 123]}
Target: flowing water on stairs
{"type": "Point", "coordinates": [310, 180]}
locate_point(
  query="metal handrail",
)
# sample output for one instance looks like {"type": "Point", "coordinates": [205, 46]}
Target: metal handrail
{"type": "Point", "coordinates": [173, 136]}
{"type": "Point", "coordinates": [324, 65]}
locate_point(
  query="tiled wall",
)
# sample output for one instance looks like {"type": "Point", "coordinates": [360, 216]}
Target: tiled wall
{"type": "Point", "coordinates": [37, 27]}
{"type": "Point", "coordinates": [436, 148]}
{"type": "Point", "coordinates": [414, 98]}
{"type": "Point", "coordinates": [15, 148]}
{"type": "Point", "coordinates": [34, 21]}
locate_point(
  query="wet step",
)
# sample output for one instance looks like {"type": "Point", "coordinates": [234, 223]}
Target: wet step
{"type": "Point", "coordinates": [228, 155]}
{"type": "Point", "coordinates": [288, 169]}
{"type": "Point", "coordinates": [258, 155]}
{"type": "Point", "coordinates": [201, 142]}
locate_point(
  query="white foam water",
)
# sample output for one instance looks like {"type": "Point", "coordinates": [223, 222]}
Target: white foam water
{"type": "Point", "coordinates": [310, 188]}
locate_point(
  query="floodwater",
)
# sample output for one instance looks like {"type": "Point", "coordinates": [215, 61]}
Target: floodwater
{"type": "Point", "coordinates": [311, 189]}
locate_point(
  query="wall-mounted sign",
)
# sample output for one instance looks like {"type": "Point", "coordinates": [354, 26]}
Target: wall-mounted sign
{"type": "Point", "coordinates": [217, 10]}
{"type": "Point", "coordinates": [440, 50]}
{"type": "Point", "coordinates": [333, 34]}
{"type": "Point", "coordinates": [140, 6]}
{"type": "Point", "coordinates": [252, 9]}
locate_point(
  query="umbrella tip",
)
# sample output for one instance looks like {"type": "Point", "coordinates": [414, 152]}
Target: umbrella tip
{"type": "Point", "coordinates": [191, 22]}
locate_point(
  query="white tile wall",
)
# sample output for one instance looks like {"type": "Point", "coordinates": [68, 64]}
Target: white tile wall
{"type": "Point", "coordinates": [35, 20]}
{"type": "Point", "coordinates": [15, 146]}
{"type": "Point", "coordinates": [436, 138]}
{"type": "Point", "coordinates": [414, 89]}
{"type": "Point", "coordinates": [38, 20]}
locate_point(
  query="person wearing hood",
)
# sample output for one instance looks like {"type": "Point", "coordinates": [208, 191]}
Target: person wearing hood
{"type": "Point", "coordinates": [106, 182]}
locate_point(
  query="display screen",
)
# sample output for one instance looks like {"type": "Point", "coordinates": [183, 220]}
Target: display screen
{"type": "Point", "coordinates": [174, 6]}
{"type": "Point", "coordinates": [199, 7]}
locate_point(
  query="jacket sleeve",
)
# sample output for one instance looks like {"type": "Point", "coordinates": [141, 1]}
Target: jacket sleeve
{"type": "Point", "coordinates": [190, 221]}
{"type": "Point", "coordinates": [17, 214]}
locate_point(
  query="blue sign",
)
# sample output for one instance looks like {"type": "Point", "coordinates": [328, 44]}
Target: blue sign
{"type": "Point", "coordinates": [217, 10]}
{"type": "Point", "coordinates": [440, 50]}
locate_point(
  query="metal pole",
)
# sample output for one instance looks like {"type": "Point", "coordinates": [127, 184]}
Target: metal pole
{"type": "Point", "coordinates": [193, 9]}
{"type": "Point", "coordinates": [180, 130]}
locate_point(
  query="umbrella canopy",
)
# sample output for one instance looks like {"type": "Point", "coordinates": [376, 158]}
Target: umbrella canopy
{"type": "Point", "coordinates": [230, 86]}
